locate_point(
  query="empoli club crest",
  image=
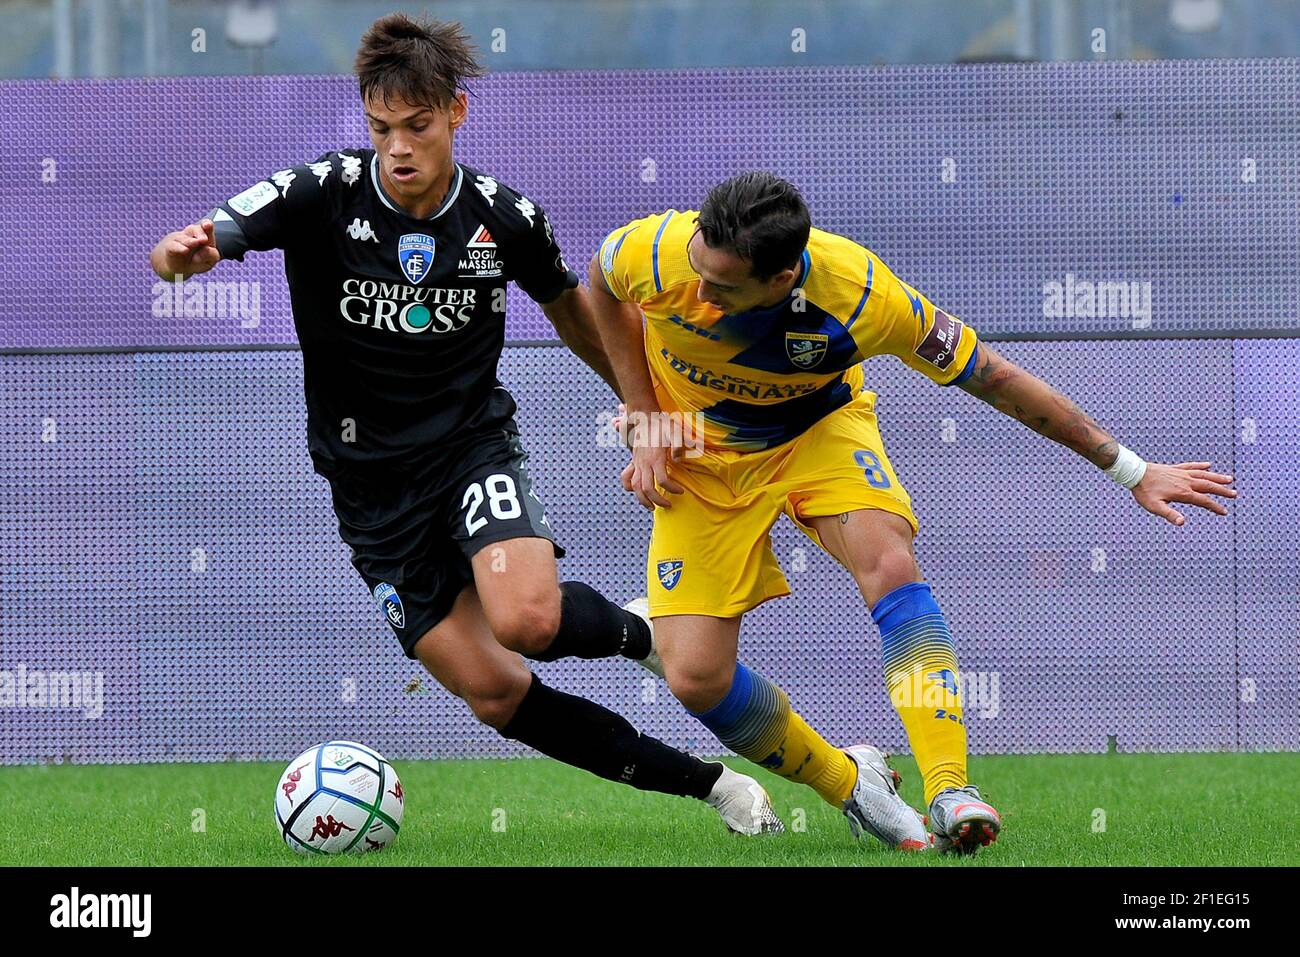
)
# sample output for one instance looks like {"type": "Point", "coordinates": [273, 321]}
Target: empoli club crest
{"type": "Point", "coordinates": [415, 255]}
{"type": "Point", "coordinates": [806, 349]}
{"type": "Point", "coordinates": [391, 603]}
{"type": "Point", "coordinates": [670, 573]}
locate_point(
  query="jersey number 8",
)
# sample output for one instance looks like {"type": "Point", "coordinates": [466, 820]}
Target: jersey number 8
{"type": "Point", "coordinates": [871, 467]}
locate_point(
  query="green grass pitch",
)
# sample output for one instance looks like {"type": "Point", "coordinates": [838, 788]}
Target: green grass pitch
{"type": "Point", "coordinates": [1116, 809]}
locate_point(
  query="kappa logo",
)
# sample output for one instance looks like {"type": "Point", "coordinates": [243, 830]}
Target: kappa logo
{"type": "Point", "coordinates": [291, 782]}
{"type": "Point", "coordinates": [480, 260]}
{"type": "Point", "coordinates": [488, 187]}
{"type": "Point", "coordinates": [283, 179]}
{"type": "Point", "coordinates": [806, 349]}
{"type": "Point", "coordinates": [389, 601]}
{"type": "Point", "coordinates": [526, 209]}
{"type": "Point", "coordinates": [415, 256]}
{"type": "Point", "coordinates": [328, 827]}
{"type": "Point", "coordinates": [360, 229]}
{"type": "Point", "coordinates": [351, 168]}
{"type": "Point", "coordinates": [670, 573]}
{"type": "Point", "coordinates": [321, 170]}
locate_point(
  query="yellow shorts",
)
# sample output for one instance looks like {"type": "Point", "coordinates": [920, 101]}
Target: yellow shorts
{"type": "Point", "coordinates": [711, 554]}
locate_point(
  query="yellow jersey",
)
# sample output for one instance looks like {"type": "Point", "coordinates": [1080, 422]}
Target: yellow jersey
{"type": "Point", "coordinates": [762, 377]}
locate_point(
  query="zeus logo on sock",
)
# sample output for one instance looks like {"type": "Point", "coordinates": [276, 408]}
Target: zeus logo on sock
{"type": "Point", "coordinates": [947, 679]}
{"type": "Point", "coordinates": [670, 573]}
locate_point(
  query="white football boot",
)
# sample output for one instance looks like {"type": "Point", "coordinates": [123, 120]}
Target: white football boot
{"type": "Point", "coordinates": [740, 800]}
{"type": "Point", "coordinates": [744, 805]}
{"type": "Point", "coordinates": [962, 822]}
{"type": "Point", "coordinates": [875, 807]}
{"type": "Point", "coordinates": [651, 663]}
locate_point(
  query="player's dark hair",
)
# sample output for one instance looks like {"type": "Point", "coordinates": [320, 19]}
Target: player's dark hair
{"type": "Point", "coordinates": [759, 217]}
{"type": "Point", "coordinates": [423, 62]}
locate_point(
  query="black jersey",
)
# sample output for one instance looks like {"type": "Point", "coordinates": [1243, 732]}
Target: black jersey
{"type": "Point", "coordinates": [401, 320]}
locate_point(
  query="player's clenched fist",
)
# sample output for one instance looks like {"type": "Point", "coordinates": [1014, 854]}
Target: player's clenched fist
{"type": "Point", "coordinates": [186, 252]}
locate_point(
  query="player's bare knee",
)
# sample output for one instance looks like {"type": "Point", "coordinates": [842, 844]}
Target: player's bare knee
{"type": "Point", "coordinates": [494, 702]}
{"type": "Point", "coordinates": [886, 570]}
{"type": "Point", "coordinates": [494, 712]}
{"type": "Point", "coordinates": [698, 689]}
{"type": "Point", "coordinates": [529, 627]}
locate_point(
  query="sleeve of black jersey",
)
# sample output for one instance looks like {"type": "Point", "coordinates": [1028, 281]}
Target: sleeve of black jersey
{"type": "Point", "coordinates": [532, 256]}
{"type": "Point", "coordinates": [286, 207]}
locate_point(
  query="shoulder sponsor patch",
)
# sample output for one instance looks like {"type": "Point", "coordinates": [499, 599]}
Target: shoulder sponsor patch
{"type": "Point", "coordinates": [252, 199]}
{"type": "Point", "coordinates": [940, 344]}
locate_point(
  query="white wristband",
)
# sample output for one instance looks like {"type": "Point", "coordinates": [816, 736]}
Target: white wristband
{"type": "Point", "coordinates": [1128, 469]}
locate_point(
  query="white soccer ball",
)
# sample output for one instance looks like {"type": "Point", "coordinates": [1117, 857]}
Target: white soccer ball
{"type": "Point", "coordinates": [339, 796]}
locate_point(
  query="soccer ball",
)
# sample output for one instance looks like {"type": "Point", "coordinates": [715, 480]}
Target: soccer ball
{"type": "Point", "coordinates": [339, 796]}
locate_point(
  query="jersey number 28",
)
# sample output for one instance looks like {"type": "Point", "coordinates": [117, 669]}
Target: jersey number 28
{"type": "Point", "coordinates": [502, 499]}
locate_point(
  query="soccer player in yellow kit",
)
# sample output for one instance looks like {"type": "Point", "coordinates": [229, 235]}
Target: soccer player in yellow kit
{"type": "Point", "coordinates": [754, 326]}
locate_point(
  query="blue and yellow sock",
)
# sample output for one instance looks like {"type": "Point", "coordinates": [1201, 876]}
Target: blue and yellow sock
{"type": "Point", "coordinates": [921, 676]}
{"type": "Point", "coordinates": [755, 720]}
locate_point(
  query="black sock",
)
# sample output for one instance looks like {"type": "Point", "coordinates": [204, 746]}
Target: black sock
{"type": "Point", "coordinates": [582, 733]}
{"type": "Point", "coordinates": [592, 626]}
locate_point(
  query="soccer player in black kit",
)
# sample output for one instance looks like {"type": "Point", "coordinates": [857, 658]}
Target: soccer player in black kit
{"type": "Point", "coordinates": [397, 259]}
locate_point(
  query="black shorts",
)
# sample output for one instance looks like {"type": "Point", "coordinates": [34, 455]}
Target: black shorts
{"type": "Point", "coordinates": [413, 528]}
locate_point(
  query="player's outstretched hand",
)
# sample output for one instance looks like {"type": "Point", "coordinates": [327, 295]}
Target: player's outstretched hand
{"type": "Point", "coordinates": [188, 251]}
{"type": "Point", "coordinates": [1186, 482]}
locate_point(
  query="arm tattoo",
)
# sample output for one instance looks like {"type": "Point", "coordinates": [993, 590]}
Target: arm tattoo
{"type": "Point", "coordinates": [1029, 400]}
